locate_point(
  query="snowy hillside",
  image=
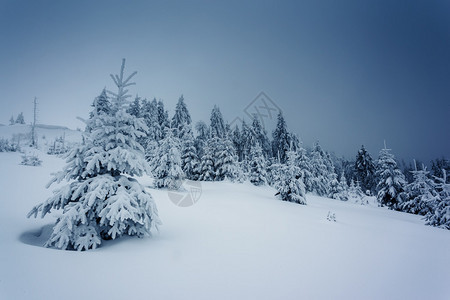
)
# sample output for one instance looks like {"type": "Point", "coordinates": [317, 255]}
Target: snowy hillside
{"type": "Point", "coordinates": [45, 134]}
{"type": "Point", "coordinates": [237, 242]}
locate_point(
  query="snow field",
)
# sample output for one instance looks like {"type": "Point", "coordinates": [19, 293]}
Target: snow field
{"type": "Point", "coordinates": [237, 242]}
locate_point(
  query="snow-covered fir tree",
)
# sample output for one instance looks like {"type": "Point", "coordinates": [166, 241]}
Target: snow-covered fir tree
{"type": "Point", "coordinates": [217, 127]}
{"type": "Point", "coordinates": [365, 170]}
{"type": "Point", "coordinates": [440, 217]}
{"type": "Point", "coordinates": [343, 188]}
{"type": "Point", "coordinates": [289, 181]}
{"type": "Point", "coordinates": [163, 119]}
{"type": "Point", "coordinates": [260, 137]}
{"type": "Point", "coordinates": [135, 107]}
{"type": "Point", "coordinates": [190, 163]}
{"type": "Point", "coordinates": [201, 138]}
{"type": "Point", "coordinates": [149, 112]}
{"type": "Point", "coordinates": [421, 195]}
{"type": "Point", "coordinates": [339, 189]}
{"type": "Point", "coordinates": [247, 140]}
{"type": "Point", "coordinates": [257, 174]}
{"type": "Point", "coordinates": [224, 157]}
{"type": "Point", "coordinates": [167, 163]}
{"type": "Point", "coordinates": [20, 119]}
{"type": "Point", "coordinates": [207, 172]}
{"type": "Point", "coordinates": [273, 169]}
{"type": "Point", "coordinates": [391, 181]}
{"type": "Point", "coordinates": [355, 193]}
{"type": "Point", "coordinates": [181, 119]}
{"type": "Point", "coordinates": [12, 121]}
{"type": "Point", "coordinates": [320, 179]}
{"type": "Point", "coordinates": [101, 104]}
{"type": "Point", "coordinates": [237, 142]}
{"type": "Point", "coordinates": [101, 200]}
{"type": "Point", "coordinates": [304, 163]}
{"type": "Point", "coordinates": [438, 166]}
{"type": "Point", "coordinates": [281, 142]}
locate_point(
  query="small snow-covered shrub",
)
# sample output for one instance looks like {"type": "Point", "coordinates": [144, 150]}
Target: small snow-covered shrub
{"type": "Point", "coordinates": [7, 146]}
{"type": "Point", "coordinates": [331, 216]}
{"type": "Point", "coordinates": [31, 160]}
{"type": "Point", "coordinates": [58, 147]}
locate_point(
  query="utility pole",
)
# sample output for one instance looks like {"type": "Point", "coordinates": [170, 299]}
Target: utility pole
{"type": "Point", "coordinates": [33, 126]}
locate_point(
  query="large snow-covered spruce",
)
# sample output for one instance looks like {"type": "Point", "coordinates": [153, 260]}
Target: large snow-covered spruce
{"type": "Point", "coordinates": [440, 217]}
{"type": "Point", "coordinates": [101, 200]}
{"type": "Point", "coordinates": [421, 193]}
{"type": "Point", "coordinates": [167, 163]}
{"type": "Point", "coordinates": [391, 181]}
{"type": "Point", "coordinates": [289, 181]}
{"type": "Point", "coordinates": [257, 166]}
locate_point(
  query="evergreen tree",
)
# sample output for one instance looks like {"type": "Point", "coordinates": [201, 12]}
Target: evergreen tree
{"type": "Point", "coordinates": [365, 170]}
{"type": "Point", "coordinates": [343, 188]}
{"type": "Point", "coordinates": [11, 121]}
{"type": "Point", "coordinates": [149, 112]}
{"type": "Point", "coordinates": [101, 104]}
{"type": "Point", "coordinates": [273, 171]}
{"type": "Point", "coordinates": [421, 194]}
{"type": "Point", "coordinates": [260, 137]}
{"type": "Point", "coordinates": [438, 166]}
{"type": "Point", "coordinates": [237, 142]}
{"type": "Point", "coordinates": [163, 120]}
{"type": "Point", "coordinates": [202, 137]}
{"type": "Point", "coordinates": [247, 139]}
{"type": "Point", "coordinates": [281, 142]}
{"type": "Point", "coordinates": [289, 181]}
{"type": "Point", "coordinates": [181, 120]}
{"type": "Point", "coordinates": [167, 164]}
{"type": "Point", "coordinates": [320, 183]}
{"type": "Point", "coordinates": [391, 181]}
{"type": "Point", "coordinates": [207, 172]}
{"type": "Point", "coordinates": [257, 166]}
{"type": "Point", "coordinates": [135, 107]}
{"type": "Point", "coordinates": [440, 217]}
{"type": "Point", "coordinates": [355, 193]}
{"type": "Point", "coordinates": [20, 119]}
{"type": "Point", "coordinates": [339, 189]}
{"type": "Point", "coordinates": [217, 124]}
{"type": "Point", "coordinates": [224, 158]}
{"type": "Point", "coordinates": [101, 200]}
{"type": "Point", "coordinates": [407, 171]}
{"type": "Point", "coordinates": [304, 163]}
{"type": "Point", "coordinates": [190, 163]}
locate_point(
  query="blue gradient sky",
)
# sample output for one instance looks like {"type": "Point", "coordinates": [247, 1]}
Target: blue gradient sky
{"type": "Point", "coordinates": [345, 73]}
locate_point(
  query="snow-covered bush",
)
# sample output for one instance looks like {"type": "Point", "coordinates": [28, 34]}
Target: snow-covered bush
{"type": "Point", "coordinates": [331, 216]}
{"type": "Point", "coordinates": [7, 146]}
{"type": "Point", "coordinates": [101, 200]}
{"type": "Point", "coordinates": [58, 147]}
{"type": "Point", "coordinates": [31, 160]}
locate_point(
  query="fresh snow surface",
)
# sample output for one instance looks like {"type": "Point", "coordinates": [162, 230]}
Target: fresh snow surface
{"type": "Point", "coordinates": [237, 242]}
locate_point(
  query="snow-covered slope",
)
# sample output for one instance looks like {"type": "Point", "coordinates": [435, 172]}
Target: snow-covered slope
{"type": "Point", "coordinates": [237, 242]}
{"type": "Point", "coordinates": [45, 134]}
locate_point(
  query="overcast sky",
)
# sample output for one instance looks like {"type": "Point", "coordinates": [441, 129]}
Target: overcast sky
{"type": "Point", "coordinates": [345, 73]}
